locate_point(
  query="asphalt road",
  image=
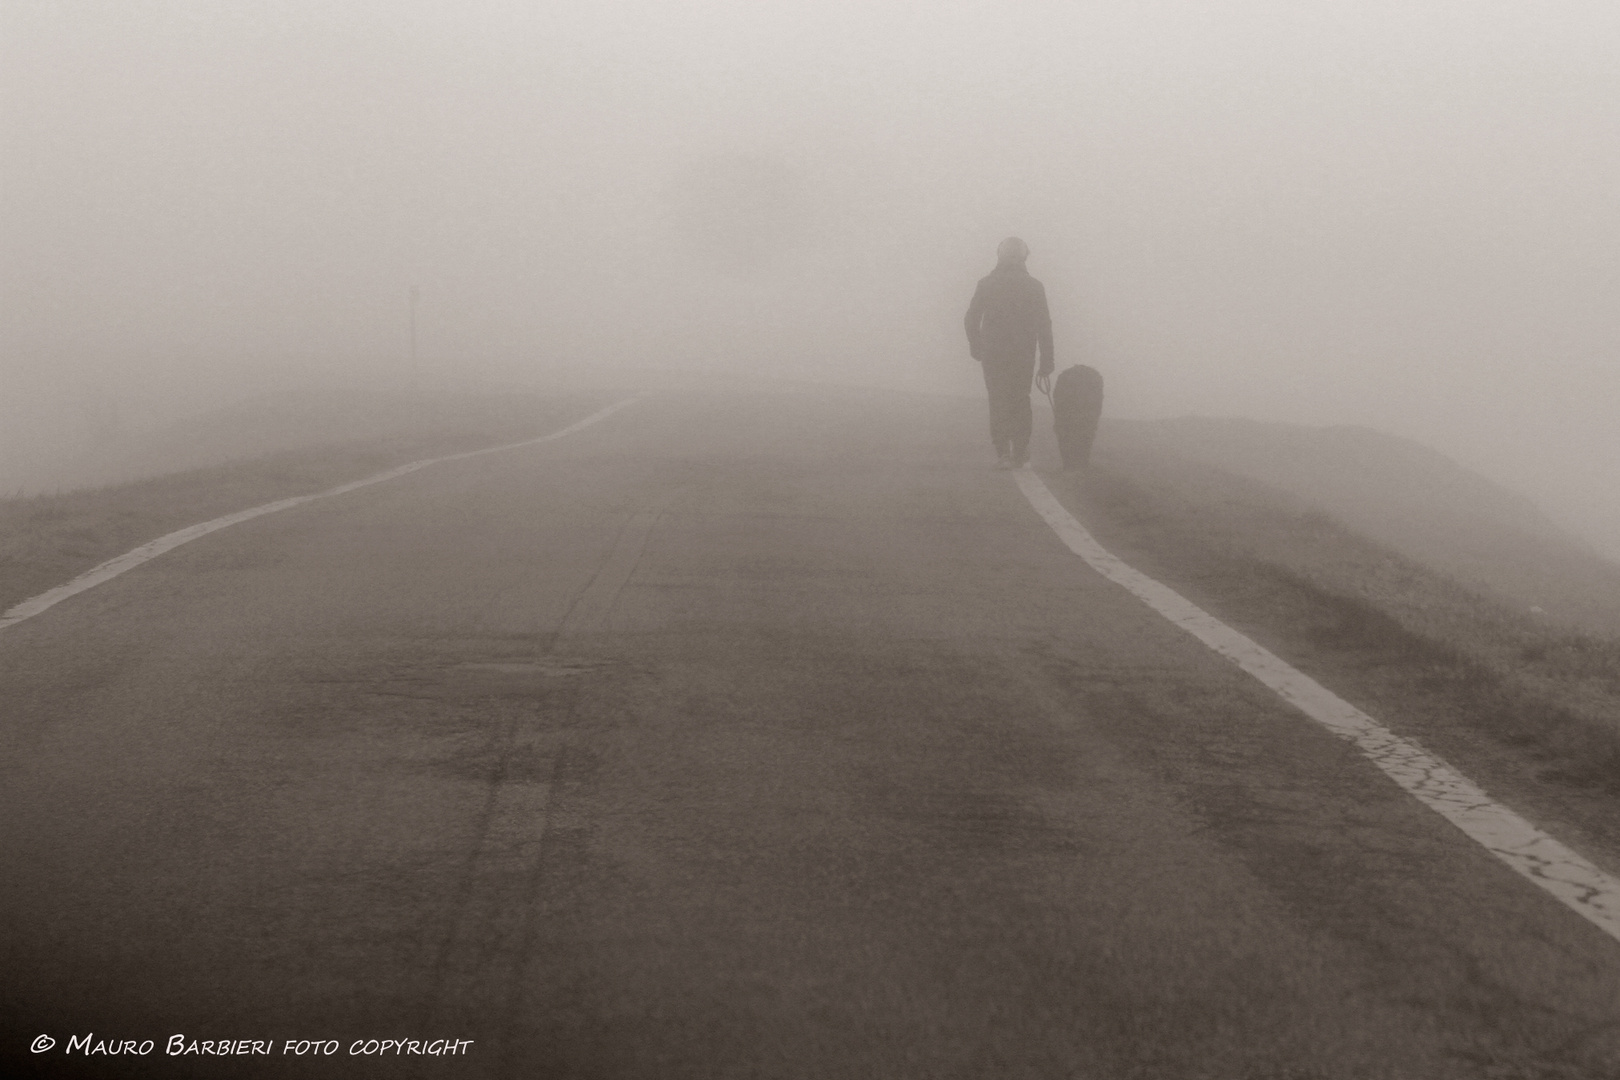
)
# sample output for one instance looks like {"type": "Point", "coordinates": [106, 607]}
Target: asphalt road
{"type": "Point", "coordinates": [748, 735]}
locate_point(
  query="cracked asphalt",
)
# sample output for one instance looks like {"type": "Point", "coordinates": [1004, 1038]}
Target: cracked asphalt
{"type": "Point", "coordinates": [746, 734]}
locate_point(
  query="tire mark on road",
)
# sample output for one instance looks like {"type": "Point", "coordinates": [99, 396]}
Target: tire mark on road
{"type": "Point", "coordinates": [480, 966]}
{"type": "Point", "coordinates": [1534, 854]}
{"type": "Point", "coordinates": [588, 611]}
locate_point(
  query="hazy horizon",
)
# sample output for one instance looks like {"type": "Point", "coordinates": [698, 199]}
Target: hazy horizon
{"type": "Point", "coordinates": [1390, 215]}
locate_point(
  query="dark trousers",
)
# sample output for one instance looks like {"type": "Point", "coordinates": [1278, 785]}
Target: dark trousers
{"type": "Point", "coordinates": [1008, 383]}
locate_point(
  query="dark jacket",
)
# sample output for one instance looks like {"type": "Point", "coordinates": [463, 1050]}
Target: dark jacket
{"type": "Point", "coordinates": [1008, 319]}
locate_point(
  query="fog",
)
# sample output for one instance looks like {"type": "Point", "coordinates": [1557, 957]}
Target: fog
{"type": "Point", "coordinates": [1374, 213]}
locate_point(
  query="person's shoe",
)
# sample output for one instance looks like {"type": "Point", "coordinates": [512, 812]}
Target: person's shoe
{"type": "Point", "coordinates": [1020, 458]}
{"type": "Point", "coordinates": [1003, 462]}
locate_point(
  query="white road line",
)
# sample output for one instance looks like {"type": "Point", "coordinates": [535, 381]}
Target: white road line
{"type": "Point", "coordinates": [1545, 861]}
{"type": "Point", "coordinates": [153, 548]}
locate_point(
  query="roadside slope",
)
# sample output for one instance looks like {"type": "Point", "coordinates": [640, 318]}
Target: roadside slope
{"type": "Point", "coordinates": [1405, 496]}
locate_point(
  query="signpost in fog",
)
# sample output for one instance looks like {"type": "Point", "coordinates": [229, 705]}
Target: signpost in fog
{"type": "Point", "coordinates": [416, 373]}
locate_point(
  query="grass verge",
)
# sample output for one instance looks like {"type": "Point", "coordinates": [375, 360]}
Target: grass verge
{"type": "Point", "coordinates": [1514, 700]}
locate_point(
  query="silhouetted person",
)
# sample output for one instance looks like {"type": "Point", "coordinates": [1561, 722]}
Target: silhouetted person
{"type": "Point", "coordinates": [1007, 324]}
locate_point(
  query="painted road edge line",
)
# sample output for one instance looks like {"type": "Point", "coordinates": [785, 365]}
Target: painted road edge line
{"type": "Point", "coordinates": [153, 548]}
{"type": "Point", "coordinates": [1533, 853]}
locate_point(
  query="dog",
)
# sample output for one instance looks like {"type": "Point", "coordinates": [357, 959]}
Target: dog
{"type": "Point", "coordinates": [1077, 401]}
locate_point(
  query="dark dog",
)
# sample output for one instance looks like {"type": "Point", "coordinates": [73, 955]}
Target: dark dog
{"type": "Point", "coordinates": [1077, 400]}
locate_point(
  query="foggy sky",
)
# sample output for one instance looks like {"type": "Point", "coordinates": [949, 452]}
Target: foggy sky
{"type": "Point", "coordinates": [1393, 214]}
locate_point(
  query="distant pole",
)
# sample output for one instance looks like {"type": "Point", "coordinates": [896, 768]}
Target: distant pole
{"type": "Point", "coordinates": [416, 372]}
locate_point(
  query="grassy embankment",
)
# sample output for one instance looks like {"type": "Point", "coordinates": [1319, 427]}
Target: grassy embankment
{"type": "Point", "coordinates": [49, 539]}
{"type": "Point", "coordinates": [1454, 663]}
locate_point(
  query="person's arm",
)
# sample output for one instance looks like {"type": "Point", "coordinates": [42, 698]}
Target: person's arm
{"type": "Point", "coordinates": [1044, 330]}
{"type": "Point", "coordinates": [972, 321]}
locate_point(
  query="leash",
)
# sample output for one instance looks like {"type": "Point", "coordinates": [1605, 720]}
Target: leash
{"type": "Point", "coordinates": [1043, 383]}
